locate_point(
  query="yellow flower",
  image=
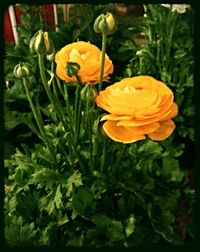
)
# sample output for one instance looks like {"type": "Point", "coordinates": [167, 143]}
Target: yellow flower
{"type": "Point", "coordinates": [88, 56]}
{"type": "Point", "coordinates": [138, 106]}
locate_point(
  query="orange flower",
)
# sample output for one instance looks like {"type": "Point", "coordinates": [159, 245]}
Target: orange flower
{"type": "Point", "coordinates": [88, 56]}
{"type": "Point", "coordinates": [138, 106]}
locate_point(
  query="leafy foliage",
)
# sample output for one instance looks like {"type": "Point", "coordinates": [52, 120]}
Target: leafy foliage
{"type": "Point", "coordinates": [115, 195]}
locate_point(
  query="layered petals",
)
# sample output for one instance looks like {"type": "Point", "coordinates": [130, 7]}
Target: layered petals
{"type": "Point", "coordinates": [120, 133]}
{"type": "Point", "coordinates": [88, 56]}
{"type": "Point", "coordinates": [138, 106]}
{"type": "Point", "coordinates": [164, 131]}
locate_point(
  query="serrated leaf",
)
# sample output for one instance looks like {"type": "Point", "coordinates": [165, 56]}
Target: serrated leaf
{"type": "Point", "coordinates": [74, 180]}
{"type": "Point", "coordinates": [115, 231]}
{"type": "Point", "coordinates": [63, 220]}
{"type": "Point", "coordinates": [45, 178]}
{"type": "Point", "coordinates": [150, 147]}
{"type": "Point", "coordinates": [58, 197]}
{"type": "Point", "coordinates": [18, 175]}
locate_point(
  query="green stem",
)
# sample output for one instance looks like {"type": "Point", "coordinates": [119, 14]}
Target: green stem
{"type": "Point", "coordinates": [53, 81]}
{"type": "Point", "coordinates": [55, 104]}
{"type": "Point", "coordinates": [170, 37]}
{"type": "Point", "coordinates": [89, 118]}
{"type": "Point", "coordinates": [38, 119]}
{"type": "Point", "coordinates": [102, 60]}
{"type": "Point", "coordinates": [104, 154]}
{"type": "Point", "coordinates": [59, 86]}
{"type": "Point", "coordinates": [77, 116]}
{"type": "Point", "coordinates": [40, 126]}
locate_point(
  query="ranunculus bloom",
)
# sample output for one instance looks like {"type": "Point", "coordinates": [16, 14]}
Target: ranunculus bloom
{"type": "Point", "coordinates": [88, 56]}
{"type": "Point", "coordinates": [138, 106]}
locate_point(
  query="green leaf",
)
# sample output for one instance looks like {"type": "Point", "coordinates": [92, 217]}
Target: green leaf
{"type": "Point", "coordinates": [115, 231]}
{"type": "Point", "coordinates": [130, 226]}
{"type": "Point", "coordinates": [45, 178]}
{"type": "Point", "coordinates": [18, 177]}
{"type": "Point", "coordinates": [63, 220]}
{"type": "Point", "coordinates": [58, 197]}
{"type": "Point", "coordinates": [170, 169]}
{"type": "Point", "coordinates": [101, 220]}
{"type": "Point", "coordinates": [150, 147]}
{"type": "Point", "coordinates": [82, 201]}
{"type": "Point", "coordinates": [74, 180]}
{"type": "Point", "coordinates": [51, 200]}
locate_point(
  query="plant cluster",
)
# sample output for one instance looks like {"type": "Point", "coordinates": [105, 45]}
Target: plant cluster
{"type": "Point", "coordinates": [75, 186]}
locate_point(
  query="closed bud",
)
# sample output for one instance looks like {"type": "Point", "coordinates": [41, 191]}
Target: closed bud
{"type": "Point", "coordinates": [104, 24]}
{"type": "Point", "coordinates": [72, 68]}
{"type": "Point", "coordinates": [32, 43]}
{"type": "Point", "coordinates": [48, 43]}
{"type": "Point", "coordinates": [21, 70]}
{"type": "Point", "coordinates": [110, 22]}
{"type": "Point", "coordinates": [88, 93]}
{"type": "Point", "coordinates": [96, 23]}
{"type": "Point", "coordinates": [41, 43]}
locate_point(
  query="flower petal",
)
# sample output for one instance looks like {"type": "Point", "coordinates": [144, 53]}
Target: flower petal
{"type": "Point", "coordinates": [114, 117]}
{"type": "Point", "coordinates": [120, 133]}
{"type": "Point", "coordinates": [144, 129]}
{"type": "Point", "coordinates": [172, 112]}
{"type": "Point", "coordinates": [164, 131]}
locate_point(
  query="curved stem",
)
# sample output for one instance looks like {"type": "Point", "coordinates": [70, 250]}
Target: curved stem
{"type": "Point", "coordinates": [102, 60]}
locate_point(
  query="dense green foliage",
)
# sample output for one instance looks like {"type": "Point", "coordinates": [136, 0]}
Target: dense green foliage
{"type": "Point", "coordinates": [127, 195]}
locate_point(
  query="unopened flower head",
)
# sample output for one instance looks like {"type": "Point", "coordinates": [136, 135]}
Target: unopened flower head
{"type": "Point", "coordinates": [41, 43]}
{"type": "Point", "coordinates": [21, 70]}
{"type": "Point", "coordinates": [104, 24]}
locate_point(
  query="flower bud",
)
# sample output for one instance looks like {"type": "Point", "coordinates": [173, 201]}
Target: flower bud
{"type": "Point", "coordinates": [96, 23]}
{"type": "Point", "coordinates": [41, 43]}
{"type": "Point", "coordinates": [32, 43]}
{"type": "Point", "coordinates": [104, 24]}
{"type": "Point", "coordinates": [21, 70]}
{"type": "Point", "coordinates": [72, 68]}
{"type": "Point", "coordinates": [48, 43]}
{"type": "Point", "coordinates": [88, 93]}
{"type": "Point", "coordinates": [51, 57]}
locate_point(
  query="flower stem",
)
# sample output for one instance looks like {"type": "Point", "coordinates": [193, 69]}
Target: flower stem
{"type": "Point", "coordinates": [104, 154]}
{"type": "Point", "coordinates": [40, 126]}
{"type": "Point", "coordinates": [77, 117]}
{"type": "Point", "coordinates": [53, 81]}
{"type": "Point", "coordinates": [102, 60]}
{"type": "Point", "coordinates": [55, 103]}
{"type": "Point", "coordinates": [89, 119]}
{"type": "Point", "coordinates": [38, 119]}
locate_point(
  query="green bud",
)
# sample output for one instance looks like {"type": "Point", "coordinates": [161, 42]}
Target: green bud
{"type": "Point", "coordinates": [21, 70]}
{"type": "Point", "coordinates": [72, 68]}
{"type": "Point", "coordinates": [41, 43]}
{"type": "Point", "coordinates": [32, 43]}
{"type": "Point", "coordinates": [51, 57]}
{"type": "Point", "coordinates": [104, 24]}
{"type": "Point", "coordinates": [88, 93]}
{"type": "Point", "coordinates": [96, 23]}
